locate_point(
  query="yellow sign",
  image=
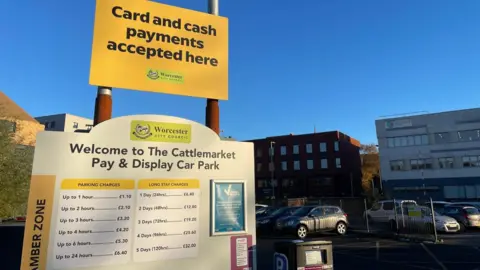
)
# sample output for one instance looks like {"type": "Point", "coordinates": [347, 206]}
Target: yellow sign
{"type": "Point", "coordinates": [160, 132]}
{"type": "Point", "coordinates": [147, 46]}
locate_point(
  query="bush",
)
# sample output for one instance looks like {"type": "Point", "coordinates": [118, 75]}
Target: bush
{"type": "Point", "coordinates": [15, 171]}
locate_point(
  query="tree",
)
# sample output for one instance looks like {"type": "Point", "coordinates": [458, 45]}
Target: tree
{"type": "Point", "coordinates": [370, 167]}
{"type": "Point", "coordinates": [15, 171]}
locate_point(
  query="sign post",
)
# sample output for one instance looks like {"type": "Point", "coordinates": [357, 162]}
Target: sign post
{"type": "Point", "coordinates": [135, 193]}
{"type": "Point", "coordinates": [103, 105]}
{"type": "Point", "coordinates": [212, 113]}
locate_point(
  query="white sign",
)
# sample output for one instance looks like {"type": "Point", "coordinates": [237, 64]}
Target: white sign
{"type": "Point", "coordinates": [135, 190]}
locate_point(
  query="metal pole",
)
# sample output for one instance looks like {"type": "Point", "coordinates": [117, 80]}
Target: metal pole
{"type": "Point", "coordinates": [433, 221]}
{"type": "Point", "coordinates": [212, 110]}
{"type": "Point", "coordinates": [351, 184]}
{"type": "Point", "coordinates": [366, 215]}
{"type": "Point", "coordinates": [272, 173]}
{"type": "Point", "coordinates": [103, 105]}
{"type": "Point", "coordinates": [396, 216]}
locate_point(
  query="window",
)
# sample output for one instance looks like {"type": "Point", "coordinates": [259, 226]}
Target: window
{"type": "Point", "coordinates": [259, 167]}
{"type": "Point", "coordinates": [308, 148]}
{"type": "Point", "coordinates": [424, 139]}
{"type": "Point", "coordinates": [418, 140]}
{"type": "Point", "coordinates": [396, 165]}
{"type": "Point", "coordinates": [323, 147]}
{"type": "Point", "coordinates": [296, 165]}
{"type": "Point", "coordinates": [324, 163]}
{"type": "Point", "coordinates": [259, 152]}
{"type": "Point", "coordinates": [338, 164]}
{"type": "Point", "coordinates": [283, 150]}
{"type": "Point", "coordinates": [407, 141]}
{"type": "Point", "coordinates": [410, 140]}
{"type": "Point", "coordinates": [390, 142]}
{"type": "Point", "coordinates": [421, 164]}
{"type": "Point", "coordinates": [445, 163]}
{"type": "Point", "coordinates": [284, 166]}
{"type": "Point", "coordinates": [468, 135]}
{"type": "Point", "coordinates": [309, 164]}
{"type": "Point", "coordinates": [295, 149]}
{"type": "Point", "coordinates": [271, 151]}
{"type": "Point", "coordinates": [75, 125]}
{"type": "Point", "coordinates": [336, 147]}
{"type": "Point", "coordinates": [89, 127]}
{"type": "Point", "coordinates": [317, 212]}
{"type": "Point", "coordinates": [470, 161]}
{"type": "Point", "coordinates": [49, 125]}
{"type": "Point", "coordinates": [441, 138]}
{"type": "Point", "coordinates": [388, 206]}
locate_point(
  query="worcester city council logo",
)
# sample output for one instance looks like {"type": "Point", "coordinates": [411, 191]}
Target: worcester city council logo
{"type": "Point", "coordinates": [142, 131]}
{"type": "Point", "coordinates": [152, 74]}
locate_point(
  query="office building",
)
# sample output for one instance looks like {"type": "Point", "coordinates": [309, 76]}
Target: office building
{"type": "Point", "coordinates": [65, 122]}
{"type": "Point", "coordinates": [323, 164]}
{"type": "Point", "coordinates": [431, 155]}
{"type": "Point", "coordinates": [19, 122]}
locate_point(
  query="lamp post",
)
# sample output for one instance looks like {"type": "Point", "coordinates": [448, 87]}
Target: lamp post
{"type": "Point", "coordinates": [272, 170]}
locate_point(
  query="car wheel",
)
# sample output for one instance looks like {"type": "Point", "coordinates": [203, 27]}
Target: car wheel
{"type": "Point", "coordinates": [302, 231]}
{"type": "Point", "coordinates": [463, 228]}
{"type": "Point", "coordinates": [341, 228]}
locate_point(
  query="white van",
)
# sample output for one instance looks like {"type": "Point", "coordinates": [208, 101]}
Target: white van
{"type": "Point", "coordinates": [381, 210]}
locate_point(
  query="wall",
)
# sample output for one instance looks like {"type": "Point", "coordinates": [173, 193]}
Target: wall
{"type": "Point", "coordinates": [430, 124]}
{"type": "Point", "coordinates": [306, 182]}
{"type": "Point", "coordinates": [83, 123]}
{"type": "Point", "coordinates": [65, 122]}
{"type": "Point", "coordinates": [59, 120]}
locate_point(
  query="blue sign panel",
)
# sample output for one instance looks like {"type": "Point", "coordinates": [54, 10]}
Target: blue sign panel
{"type": "Point", "coordinates": [228, 207]}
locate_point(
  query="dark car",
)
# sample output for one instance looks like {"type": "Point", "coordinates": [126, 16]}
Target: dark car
{"type": "Point", "coordinates": [265, 211]}
{"type": "Point", "coordinates": [466, 216]}
{"type": "Point", "coordinates": [313, 219]}
{"type": "Point", "coordinates": [266, 223]}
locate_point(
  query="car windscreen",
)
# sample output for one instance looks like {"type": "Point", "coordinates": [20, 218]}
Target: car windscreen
{"type": "Point", "coordinates": [303, 211]}
{"type": "Point", "coordinates": [471, 210]}
{"type": "Point", "coordinates": [278, 211]}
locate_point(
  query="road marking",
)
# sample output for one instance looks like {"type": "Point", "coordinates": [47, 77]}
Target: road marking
{"type": "Point", "coordinates": [434, 257]}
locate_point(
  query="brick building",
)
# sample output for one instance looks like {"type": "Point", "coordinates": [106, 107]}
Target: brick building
{"type": "Point", "coordinates": [323, 164]}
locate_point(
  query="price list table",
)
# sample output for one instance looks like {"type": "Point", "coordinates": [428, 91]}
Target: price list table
{"type": "Point", "coordinates": [167, 220]}
{"type": "Point", "coordinates": [94, 223]}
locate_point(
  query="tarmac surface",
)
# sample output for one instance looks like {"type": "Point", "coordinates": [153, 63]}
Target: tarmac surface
{"type": "Point", "coordinates": [365, 252]}
{"type": "Point", "coordinates": [354, 251]}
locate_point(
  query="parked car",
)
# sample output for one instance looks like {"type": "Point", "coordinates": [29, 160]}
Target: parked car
{"type": "Point", "coordinates": [419, 219]}
{"type": "Point", "coordinates": [438, 206]}
{"type": "Point", "coordinates": [472, 204]}
{"type": "Point", "coordinates": [260, 208]}
{"type": "Point", "coordinates": [313, 219]}
{"type": "Point", "coordinates": [380, 211]}
{"type": "Point", "coordinates": [466, 216]}
{"type": "Point", "coordinates": [265, 211]}
{"type": "Point", "coordinates": [266, 223]}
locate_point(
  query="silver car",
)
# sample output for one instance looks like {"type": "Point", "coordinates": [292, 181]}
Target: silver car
{"type": "Point", "coordinates": [313, 219]}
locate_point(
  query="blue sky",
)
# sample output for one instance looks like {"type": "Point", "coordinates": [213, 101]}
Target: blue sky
{"type": "Point", "coordinates": [336, 65]}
